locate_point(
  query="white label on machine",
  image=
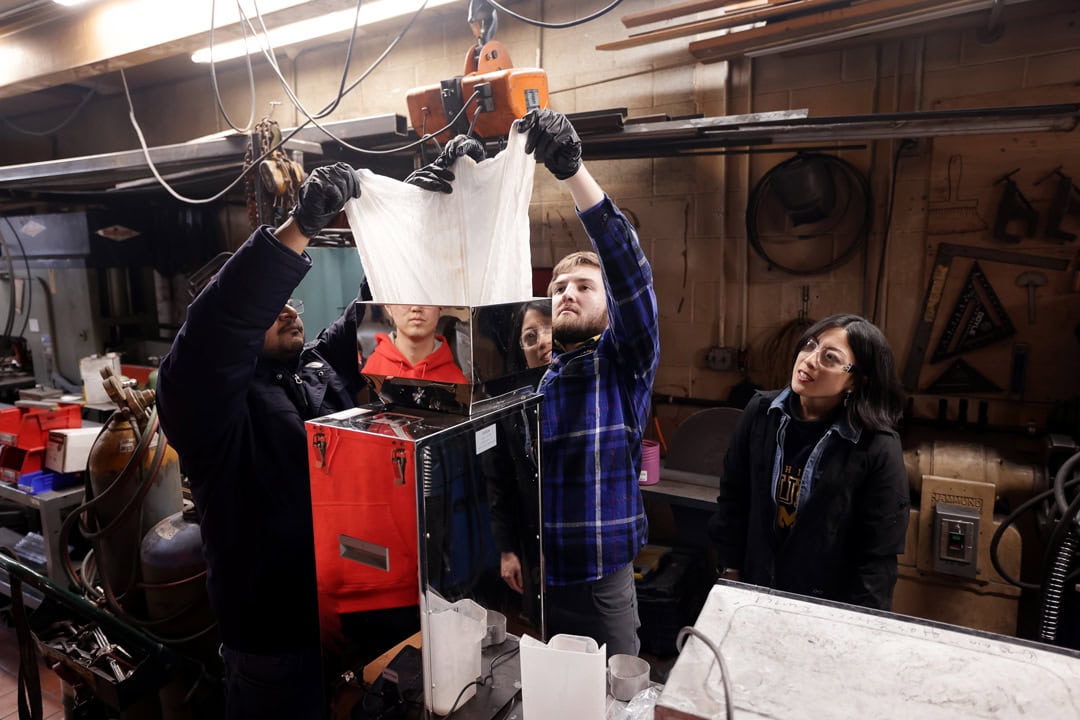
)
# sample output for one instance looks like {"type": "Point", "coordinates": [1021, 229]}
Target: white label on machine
{"type": "Point", "coordinates": [485, 439]}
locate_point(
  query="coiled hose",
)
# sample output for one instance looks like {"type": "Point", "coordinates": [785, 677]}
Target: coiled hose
{"type": "Point", "coordinates": [1055, 588]}
{"type": "Point", "coordinates": [1060, 553]}
{"type": "Point", "coordinates": [1061, 549]}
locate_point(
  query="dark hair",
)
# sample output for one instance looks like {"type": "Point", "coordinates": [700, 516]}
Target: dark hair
{"type": "Point", "coordinates": [516, 361]}
{"type": "Point", "coordinates": [877, 401]}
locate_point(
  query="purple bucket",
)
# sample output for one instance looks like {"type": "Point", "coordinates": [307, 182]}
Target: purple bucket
{"type": "Point", "coordinates": [650, 463]}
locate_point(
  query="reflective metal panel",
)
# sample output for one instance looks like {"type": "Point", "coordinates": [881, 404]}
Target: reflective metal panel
{"type": "Point", "coordinates": [493, 350]}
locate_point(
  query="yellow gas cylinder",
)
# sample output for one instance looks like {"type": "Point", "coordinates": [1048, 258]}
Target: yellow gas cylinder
{"type": "Point", "coordinates": [130, 496]}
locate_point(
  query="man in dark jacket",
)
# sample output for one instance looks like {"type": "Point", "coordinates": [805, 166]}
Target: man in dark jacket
{"type": "Point", "coordinates": [233, 394]}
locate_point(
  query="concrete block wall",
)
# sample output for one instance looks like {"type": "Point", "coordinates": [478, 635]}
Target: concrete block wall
{"type": "Point", "coordinates": [690, 211]}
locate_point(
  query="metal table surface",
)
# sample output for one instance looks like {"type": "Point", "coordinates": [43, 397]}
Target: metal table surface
{"type": "Point", "coordinates": [794, 657]}
{"type": "Point", "coordinates": [491, 700]}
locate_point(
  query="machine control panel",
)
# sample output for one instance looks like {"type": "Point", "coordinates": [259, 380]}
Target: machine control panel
{"type": "Point", "coordinates": [956, 540]}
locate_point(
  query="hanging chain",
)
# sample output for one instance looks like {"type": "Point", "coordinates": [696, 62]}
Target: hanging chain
{"type": "Point", "coordinates": [279, 176]}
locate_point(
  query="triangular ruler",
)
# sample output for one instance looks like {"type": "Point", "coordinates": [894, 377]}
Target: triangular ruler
{"type": "Point", "coordinates": [961, 378]}
{"type": "Point", "coordinates": [978, 319]}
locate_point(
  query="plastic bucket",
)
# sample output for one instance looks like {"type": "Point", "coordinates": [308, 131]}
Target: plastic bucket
{"type": "Point", "coordinates": [650, 463]}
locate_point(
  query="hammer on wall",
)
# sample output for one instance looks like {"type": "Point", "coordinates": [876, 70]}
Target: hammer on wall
{"type": "Point", "coordinates": [1031, 280]}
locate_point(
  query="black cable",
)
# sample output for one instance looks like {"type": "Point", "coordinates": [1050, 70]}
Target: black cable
{"type": "Point", "coordinates": [1007, 522]}
{"type": "Point", "coordinates": [1066, 468]}
{"type": "Point", "coordinates": [556, 26]}
{"type": "Point", "coordinates": [680, 642]}
{"type": "Point", "coordinates": [482, 680]}
{"type": "Point", "coordinates": [29, 283]}
{"type": "Point", "coordinates": [888, 224]}
{"type": "Point", "coordinates": [272, 58]}
{"type": "Point", "coordinates": [57, 128]}
{"type": "Point", "coordinates": [314, 117]}
{"type": "Point", "coordinates": [255, 163]}
{"type": "Point", "coordinates": [10, 323]}
{"type": "Point", "coordinates": [761, 191]}
{"type": "Point", "coordinates": [214, 82]}
{"type": "Point", "coordinates": [1066, 523]}
{"type": "Point", "coordinates": [479, 683]}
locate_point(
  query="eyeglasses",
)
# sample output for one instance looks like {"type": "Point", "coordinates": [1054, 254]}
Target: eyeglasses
{"type": "Point", "coordinates": [827, 358]}
{"type": "Point", "coordinates": [296, 304]}
{"type": "Point", "coordinates": [531, 337]}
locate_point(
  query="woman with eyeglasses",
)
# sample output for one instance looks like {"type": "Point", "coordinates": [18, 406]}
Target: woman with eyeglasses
{"type": "Point", "coordinates": [814, 499]}
{"type": "Point", "coordinates": [534, 333]}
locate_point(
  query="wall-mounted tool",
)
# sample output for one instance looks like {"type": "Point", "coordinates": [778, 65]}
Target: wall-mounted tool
{"type": "Point", "coordinates": [954, 216]}
{"type": "Point", "coordinates": [819, 204]}
{"type": "Point", "coordinates": [1066, 201]}
{"type": "Point", "coordinates": [1013, 207]}
{"type": "Point", "coordinates": [1031, 280]}
{"type": "Point", "coordinates": [978, 319]}
{"type": "Point", "coordinates": [961, 378]}
{"type": "Point", "coordinates": [939, 274]}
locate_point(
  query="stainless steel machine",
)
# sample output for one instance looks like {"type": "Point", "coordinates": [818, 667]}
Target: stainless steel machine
{"type": "Point", "coordinates": [416, 497]}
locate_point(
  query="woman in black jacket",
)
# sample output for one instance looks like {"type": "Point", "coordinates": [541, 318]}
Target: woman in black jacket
{"type": "Point", "coordinates": [814, 498]}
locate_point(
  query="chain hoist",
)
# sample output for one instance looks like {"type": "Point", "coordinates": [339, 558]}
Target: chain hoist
{"type": "Point", "coordinates": [278, 176]}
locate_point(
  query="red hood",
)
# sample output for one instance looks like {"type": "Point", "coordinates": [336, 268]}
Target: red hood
{"type": "Point", "coordinates": [388, 361]}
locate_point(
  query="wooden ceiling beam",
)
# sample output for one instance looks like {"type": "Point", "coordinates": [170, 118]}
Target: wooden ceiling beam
{"type": "Point", "coordinates": [775, 13]}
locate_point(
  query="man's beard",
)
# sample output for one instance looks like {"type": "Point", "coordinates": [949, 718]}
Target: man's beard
{"type": "Point", "coordinates": [573, 329]}
{"type": "Point", "coordinates": [287, 357]}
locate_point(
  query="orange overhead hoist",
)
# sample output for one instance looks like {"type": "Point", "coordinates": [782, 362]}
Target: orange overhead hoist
{"type": "Point", "coordinates": [503, 93]}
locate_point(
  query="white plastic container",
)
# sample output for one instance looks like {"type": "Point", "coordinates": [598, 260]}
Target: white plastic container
{"type": "Point", "coordinates": [627, 676]}
{"type": "Point", "coordinates": [452, 636]}
{"type": "Point", "coordinates": [565, 678]}
{"type": "Point", "coordinates": [90, 370]}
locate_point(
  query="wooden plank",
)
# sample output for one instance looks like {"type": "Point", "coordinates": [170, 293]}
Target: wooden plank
{"type": "Point", "coordinates": [786, 11]}
{"type": "Point", "coordinates": [693, 7]}
{"type": "Point", "coordinates": [956, 23]}
{"type": "Point", "coordinates": [913, 21]}
{"type": "Point", "coordinates": [859, 16]}
{"type": "Point", "coordinates": [374, 668]}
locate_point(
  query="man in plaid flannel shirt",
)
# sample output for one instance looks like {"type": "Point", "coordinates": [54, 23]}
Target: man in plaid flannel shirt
{"type": "Point", "coordinates": [596, 403]}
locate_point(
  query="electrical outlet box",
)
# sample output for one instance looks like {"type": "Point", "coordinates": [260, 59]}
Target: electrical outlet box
{"type": "Point", "coordinates": [720, 358]}
{"type": "Point", "coordinates": [956, 539]}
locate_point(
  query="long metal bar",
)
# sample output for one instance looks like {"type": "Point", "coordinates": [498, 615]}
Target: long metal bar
{"type": "Point", "coordinates": [666, 138]}
{"type": "Point", "coordinates": [768, 128]}
{"type": "Point", "coordinates": [193, 154]}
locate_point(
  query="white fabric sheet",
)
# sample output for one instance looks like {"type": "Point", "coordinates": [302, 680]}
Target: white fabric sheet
{"type": "Point", "coordinates": [470, 247]}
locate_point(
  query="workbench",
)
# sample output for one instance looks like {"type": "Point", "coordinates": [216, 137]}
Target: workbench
{"type": "Point", "coordinates": [794, 657]}
{"type": "Point", "coordinates": [686, 494]}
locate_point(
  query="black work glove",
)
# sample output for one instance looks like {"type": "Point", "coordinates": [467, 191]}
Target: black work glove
{"type": "Point", "coordinates": [436, 176]}
{"type": "Point", "coordinates": [323, 195]}
{"type": "Point", "coordinates": [554, 140]}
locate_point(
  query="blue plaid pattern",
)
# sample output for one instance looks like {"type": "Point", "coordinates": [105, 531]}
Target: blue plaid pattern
{"type": "Point", "coordinates": [596, 405]}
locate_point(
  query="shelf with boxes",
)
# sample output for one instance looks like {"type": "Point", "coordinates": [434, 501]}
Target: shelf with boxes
{"type": "Point", "coordinates": [24, 433]}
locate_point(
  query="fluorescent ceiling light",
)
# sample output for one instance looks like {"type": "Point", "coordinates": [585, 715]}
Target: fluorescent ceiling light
{"type": "Point", "coordinates": [335, 22]}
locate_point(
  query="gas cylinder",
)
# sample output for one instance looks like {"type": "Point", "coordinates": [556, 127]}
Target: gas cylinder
{"type": "Point", "coordinates": [174, 573]}
{"type": "Point", "coordinates": [118, 550]}
{"type": "Point", "coordinates": [174, 578]}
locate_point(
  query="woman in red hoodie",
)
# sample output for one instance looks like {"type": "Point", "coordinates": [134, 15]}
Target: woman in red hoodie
{"type": "Point", "coordinates": [413, 350]}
